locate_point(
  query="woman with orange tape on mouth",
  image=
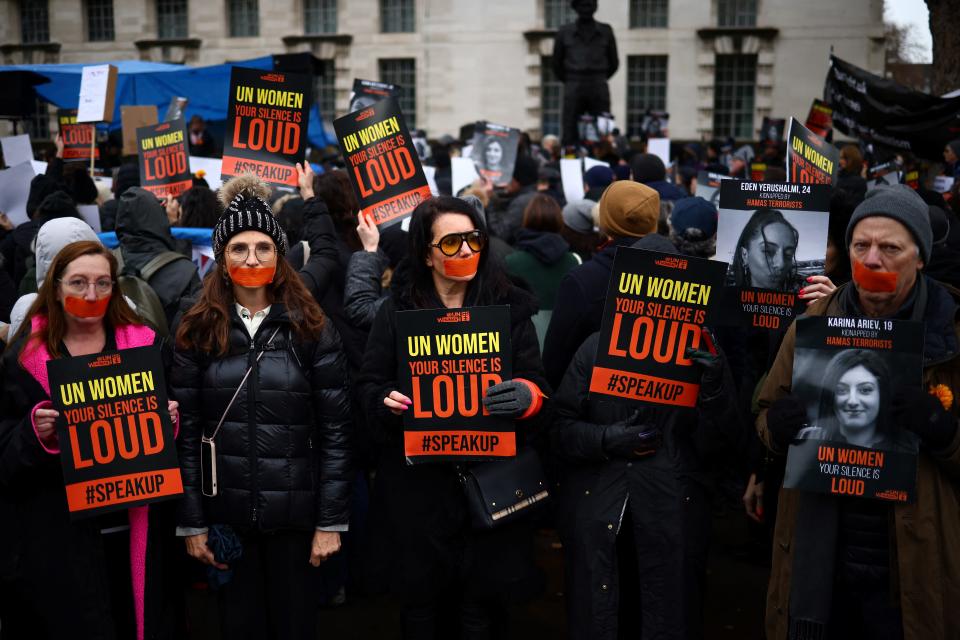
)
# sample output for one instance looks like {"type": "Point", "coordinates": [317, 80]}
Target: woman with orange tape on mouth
{"type": "Point", "coordinates": [447, 572]}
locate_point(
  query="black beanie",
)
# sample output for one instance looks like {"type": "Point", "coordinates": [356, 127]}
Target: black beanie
{"type": "Point", "coordinates": [128, 175]}
{"type": "Point", "coordinates": [40, 187]}
{"type": "Point", "coordinates": [647, 167]}
{"type": "Point", "coordinates": [58, 204]}
{"type": "Point", "coordinates": [246, 209]}
{"type": "Point", "coordinates": [82, 187]}
{"type": "Point", "coordinates": [526, 170]}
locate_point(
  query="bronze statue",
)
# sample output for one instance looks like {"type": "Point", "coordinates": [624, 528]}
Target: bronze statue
{"type": "Point", "coordinates": [584, 57]}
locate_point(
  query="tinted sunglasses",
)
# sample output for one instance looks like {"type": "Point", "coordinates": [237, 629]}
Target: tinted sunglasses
{"type": "Point", "coordinates": [451, 243]}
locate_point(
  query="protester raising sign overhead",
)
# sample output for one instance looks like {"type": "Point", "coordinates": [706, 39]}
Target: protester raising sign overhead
{"type": "Point", "coordinates": [367, 92]}
{"type": "Point", "coordinates": [77, 138]}
{"type": "Point", "coordinates": [266, 124]}
{"type": "Point", "coordinates": [164, 164]}
{"type": "Point", "coordinates": [382, 162]}
{"type": "Point", "coordinates": [495, 151]}
{"type": "Point", "coordinates": [810, 158]}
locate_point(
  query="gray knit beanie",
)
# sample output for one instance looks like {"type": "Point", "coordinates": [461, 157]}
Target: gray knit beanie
{"type": "Point", "coordinates": [901, 203]}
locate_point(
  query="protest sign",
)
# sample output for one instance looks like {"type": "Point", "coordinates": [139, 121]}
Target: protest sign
{"type": "Point", "coordinates": [810, 158]}
{"type": "Point", "coordinates": [655, 307]}
{"type": "Point", "coordinates": [210, 168]}
{"type": "Point", "coordinates": [571, 179]}
{"type": "Point", "coordinates": [175, 108]}
{"type": "Point", "coordinates": [164, 168]}
{"type": "Point", "coordinates": [942, 184]}
{"type": "Point", "coordinates": [381, 161]}
{"type": "Point", "coordinates": [14, 191]}
{"type": "Point", "coordinates": [91, 215]}
{"type": "Point", "coordinates": [847, 371]}
{"type": "Point", "coordinates": [430, 173]}
{"type": "Point", "coordinates": [78, 139]}
{"type": "Point", "coordinates": [368, 92]}
{"type": "Point", "coordinates": [773, 236]}
{"type": "Point", "coordinates": [758, 170]}
{"type": "Point", "coordinates": [462, 173]}
{"type": "Point", "coordinates": [660, 147]}
{"type": "Point", "coordinates": [132, 117]}
{"type": "Point", "coordinates": [911, 178]}
{"type": "Point", "coordinates": [771, 131]}
{"type": "Point", "coordinates": [266, 124]}
{"type": "Point", "coordinates": [447, 359]}
{"type": "Point", "coordinates": [16, 149]}
{"type": "Point", "coordinates": [495, 151]}
{"type": "Point", "coordinates": [98, 85]}
{"type": "Point", "coordinates": [116, 439]}
{"type": "Point", "coordinates": [820, 119]}
{"type": "Point", "coordinates": [885, 173]}
{"type": "Point", "coordinates": [708, 186]}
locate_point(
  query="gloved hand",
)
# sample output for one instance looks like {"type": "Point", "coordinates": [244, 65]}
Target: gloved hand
{"type": "Point", "coordinates": [628, 440]}
{"type": "Point", "coordinates": [785, 418]}
{"type": "Point", "coordinates": [513, 399]}
{"type": "Point", "coordinates": [711, 380]}
{"type": "Point", "coordinates": [923, 414]}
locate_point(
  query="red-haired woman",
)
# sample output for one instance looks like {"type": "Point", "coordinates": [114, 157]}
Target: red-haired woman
{"type": "Point", "coordinates": [260, 374]}
{"type": "Point", "coordinates": [60, 579]}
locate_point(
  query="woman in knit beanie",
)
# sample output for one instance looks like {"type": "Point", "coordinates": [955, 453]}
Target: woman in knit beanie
{"type": "Point", "coordinates": [261, 380]}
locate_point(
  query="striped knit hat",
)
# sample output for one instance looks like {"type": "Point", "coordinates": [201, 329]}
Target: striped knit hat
{"type": "Point", "coordinates": [246, 209]}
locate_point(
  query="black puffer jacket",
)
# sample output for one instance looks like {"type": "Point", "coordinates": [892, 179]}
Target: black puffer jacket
{"type": "Point", "coordinates": [283, 451]}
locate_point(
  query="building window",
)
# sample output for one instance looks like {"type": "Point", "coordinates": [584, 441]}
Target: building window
{"type": "Point", "coordinates": [244, 18]}
{"type": "Point", "coordinates": [396, 16]}
{"type": "Point", "coordinates": [99, 20]}
{"type": "Point", "coordinates": [648, 13]}
{"type": "Point", "coordinates": [733, 95]}
{"type": "Point", "coordinates": [551, 99]}
{"type": "Point", "coordinates": [34, 21]}
{"type": "Point", "coordinates": [646, 89]}
{"type": "Point", "coordinates": [320, 16]}
{"type": "Point", "coordinates": [737, 13]}
{"type": "Point", "coordinates": [324, 91]}
{"type": "Point", "coordinates": [171, 18]}
{"type": "Point", "coordinates": [557, 13]}
{"type": "Point", "coordinates": [403, 72]}
{"type": "Point", "coordinates": [37, 123]}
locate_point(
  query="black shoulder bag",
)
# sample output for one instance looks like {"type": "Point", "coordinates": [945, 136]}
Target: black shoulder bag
{"type": "Point", "coordinates": [501, 491]}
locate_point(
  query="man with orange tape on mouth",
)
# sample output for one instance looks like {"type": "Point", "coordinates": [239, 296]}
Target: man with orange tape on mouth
{"type": "Point", "coordinates": [838, 560]}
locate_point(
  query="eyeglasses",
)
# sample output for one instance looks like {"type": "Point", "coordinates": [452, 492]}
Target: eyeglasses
{"type": "Point", "coordinates": [265, 252]}
{"type": "Point", "coordinates": [451, 243]}
{"type": "Point", "coordinates": [79, 286]}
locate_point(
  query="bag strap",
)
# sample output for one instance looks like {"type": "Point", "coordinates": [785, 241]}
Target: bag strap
{"type": "Point", "coordinates": [243, 381]}
{"type": "Point", "coordinates": [306, 251]}
{"type": "Point", "coordinates": [158, 262]}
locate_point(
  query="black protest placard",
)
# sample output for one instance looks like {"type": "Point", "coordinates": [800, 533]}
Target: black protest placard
{"type": "Point", "coordinates": [885, 173]}
{"type": "Point", "coordinates": [116, 439]}
{"type": "Point", "coordinates": [655, 308]}
{"type": "Point", "coordinates": [820, 119]}
{"type": "Point", "coordinates": [771, 131]}
{"type": "Point", "coordinates": [78, 139]}
{"type": "Point", "coordinates": [847, 372]}
{"type": "Point", "coordinates": [382, 162]}
{"type": "Point", "coordinates": [773, 236]}
{"type": "Point", "coordinates": [810, 158]}
{"type": "Point", "coordinates": [266, 124]}
{"type": "Point", "coordinates": [447, 359]}
{"type": "Point", "coordinates": [708, 186]}
{"type": "Point", "coordinates": [495, 151]}
{"type": "Point", "coordinates": [368, 92]}
{"type": "Point", "coordinates": [164, 158]}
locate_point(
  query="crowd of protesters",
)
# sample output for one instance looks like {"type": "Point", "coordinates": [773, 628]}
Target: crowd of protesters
{"type": "Point", "coordinates": [284, 356]}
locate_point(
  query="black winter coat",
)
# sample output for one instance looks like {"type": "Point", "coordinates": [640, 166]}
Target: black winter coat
{"type": "Point", "coordinates": [437, 551]}
{"type": "Point", "coordinates": [283, 452]}
{"type": "Point", "coordinates": [669, 504]}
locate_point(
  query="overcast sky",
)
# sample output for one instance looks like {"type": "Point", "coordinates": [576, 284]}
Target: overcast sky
{"type": "Point", "coordinates": [913, 13]}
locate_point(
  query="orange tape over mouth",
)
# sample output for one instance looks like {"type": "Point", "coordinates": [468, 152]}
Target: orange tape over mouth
{"type": "Point", "coordinates": [874, 281]}
{"type": "Point", "coordinates": [461, 267]}
{"type": "Point", "coordinates": [82, 308]}
{"type": "Point", "coordinates": [252, 276]}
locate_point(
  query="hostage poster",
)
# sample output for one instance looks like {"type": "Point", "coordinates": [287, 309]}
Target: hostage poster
{"type": "Point", "coordinates": [382, 162]}
{"type": "Point", "coordinates": [847, 371]}
{"type": "Point", "coordinates": [655, 307]}
{"type": "Point", "coordinates": [447, 359]}
{"type": "Point", "coordinates": [708, 186]}
{"type": "Point", "coordinates": [367, 92]}
{"type": "Point", "coordinates": [773, 236]}
{"type": "Point", "coordinates": [810, 158]}
{"type": "Point", "coordinates": [820, 119]}
{"type": "Point", "coordinates": [163, 155]}
{"type": "Point", "coordinates": [116, 439]}
{"type": "Point", "coordinates": [266, 124]}
{"type": "Point", "coordinates": [495, 151]}
{"type": "Point", "coordinates": [77, 138]}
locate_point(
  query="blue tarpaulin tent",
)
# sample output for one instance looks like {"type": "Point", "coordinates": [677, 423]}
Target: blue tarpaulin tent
{"type": "Point", "coordinates": [144, 83]}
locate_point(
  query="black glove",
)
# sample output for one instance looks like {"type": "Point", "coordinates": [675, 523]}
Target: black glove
{"type": "Point", "coordinates": [509, 399]}
{"type": "Point", "coordinates": [628, 440]}
{"type": "Point", "coordinates": [922, 413]}
{"type": "Point", "coordinates": [711, 380]}
{"type": "Point", "coordinates": [785, 418]}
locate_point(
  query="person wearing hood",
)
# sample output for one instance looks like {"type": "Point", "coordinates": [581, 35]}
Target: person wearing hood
{"type": "Point", "coordinates": [951, 156]}
{"type": "Point", "coordinates": [641, 478]}
{"type": "Point", "coordinates": [542, 257]}
{"type": "Point", "coordinates": [693, 227]}
{"type": "Point", "coordinates": [628, 210]}
{"type": "Point", "coordinates": [128, 175]}
{"type": "Point", "coordinates": [739, 165]}
{"type": "Point", "coordinates": [145, 241]}
{"type": "Point", "coordinates": [648, 169]}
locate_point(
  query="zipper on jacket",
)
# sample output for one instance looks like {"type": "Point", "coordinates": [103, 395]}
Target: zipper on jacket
{"type": "Point", "coordinates": [252, 426]}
